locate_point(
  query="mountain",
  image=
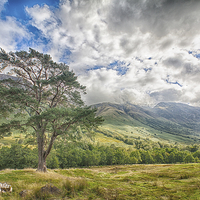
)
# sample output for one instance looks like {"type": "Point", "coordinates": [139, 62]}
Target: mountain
{"type": "Point", "coordinates": [168, 121]}
{"type": "Point", "coordinates": [183, 114]}
{"type": "Point", "coordinates": [5, 76]}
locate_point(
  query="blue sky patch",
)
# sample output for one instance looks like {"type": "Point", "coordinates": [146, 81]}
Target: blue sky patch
{"type": "Point", "coordinates": [120, 66]}
{"type": "Point", "coordinates": [196, 54]}
{"type": "Point", "coordinates": [16, 8]}
{"type": "Point", "coordinates": [38, 34]}
{"type": "Point", "coordinates": [146, 69]}
{"type": "Point", "coordinates": [174, 82]}
{"type": "Point", "coordinates": [66, 56]}
{"type": "Point", "coordinates": [95, 68]}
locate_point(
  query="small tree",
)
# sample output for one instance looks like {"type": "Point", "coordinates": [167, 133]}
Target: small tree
{"type": "Point", "coordinates": [43, 95]}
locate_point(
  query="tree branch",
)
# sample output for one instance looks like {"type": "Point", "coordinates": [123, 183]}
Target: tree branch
{"type": "Point", "coordinates": [57, 91]}
{"type": "Point", "coordinates": [53, 137]}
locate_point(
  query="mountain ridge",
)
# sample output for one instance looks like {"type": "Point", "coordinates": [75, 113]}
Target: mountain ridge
{"type": "Point", "coordinates": [176, 119]}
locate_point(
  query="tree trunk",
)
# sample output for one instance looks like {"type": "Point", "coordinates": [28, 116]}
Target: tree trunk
{"type": "Point", "coordinates": [41, 155]}
{"type": "Point", "coordinates": [42, 164]}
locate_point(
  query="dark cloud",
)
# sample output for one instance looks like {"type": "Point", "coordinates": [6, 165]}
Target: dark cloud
{"type": "Point", "coordinates": [129, 46]}
{"type": "Point", "coordinates": [196, 99]}
{"type": "Point", "coordinates": [167, 95]}
{"type": "Point", "coordinates": [96, 32]}
{"type": "Point", "coordinates": [158, 18]}
{"type": "Point", "coordinates": [166, 44]}
{"type": "Point", "coordinates": [148, 80]}
{"type": "Point", "coordinates": [174, 62]}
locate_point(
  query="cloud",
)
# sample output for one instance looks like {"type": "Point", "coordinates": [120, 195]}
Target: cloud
{"type": "Point", "coordinates": [2, 3]}
{"type": "Point", "coordinates": [12, 32]}
{"type": "Point", "coordinates": [120, 29]}
{"type": "Point", "coordinates": [153, 38]}
{"type": "Point", "coordinates": [166, 95]}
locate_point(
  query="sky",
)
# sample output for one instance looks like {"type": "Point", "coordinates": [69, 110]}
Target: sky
{"type": "Point", "coordinates": [137, 51]}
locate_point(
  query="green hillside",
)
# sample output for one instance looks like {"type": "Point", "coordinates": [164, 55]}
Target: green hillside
{"type": "Point", "coordinates": [168, 123]}
{"type": "Point", "coordinates": [133, 122]}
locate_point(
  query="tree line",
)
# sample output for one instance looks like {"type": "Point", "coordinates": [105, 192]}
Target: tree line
{"type": "Point", "coordinates": [81, 154]}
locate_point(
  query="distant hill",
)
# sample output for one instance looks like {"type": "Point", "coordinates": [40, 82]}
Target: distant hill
{"type": "Point", "coordinates": [169, 121]}
{"type": "Point", "coordinates": [183, 114]}
{"type": "Point", "coordinates": [5, 76]}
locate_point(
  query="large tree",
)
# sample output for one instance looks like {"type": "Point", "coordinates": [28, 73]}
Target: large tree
{"type": "Point", "coordinates": [43, 95]}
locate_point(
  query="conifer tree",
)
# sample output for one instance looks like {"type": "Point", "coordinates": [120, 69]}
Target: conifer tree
{"type": "Point", "coordinates": [43, 95]}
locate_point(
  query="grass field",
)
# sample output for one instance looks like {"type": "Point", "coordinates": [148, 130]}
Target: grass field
{"type": "Point", "coordinates": [180, 181]}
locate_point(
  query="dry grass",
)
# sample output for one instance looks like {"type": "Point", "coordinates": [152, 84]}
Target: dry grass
{"type": "Point", "coordinates": [111, 182]}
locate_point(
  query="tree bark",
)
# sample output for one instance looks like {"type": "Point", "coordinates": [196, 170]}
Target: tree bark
{"type": "Point", "coordinates": [42, 164]}
{"type": "Point", "coordinates": [41, 155]}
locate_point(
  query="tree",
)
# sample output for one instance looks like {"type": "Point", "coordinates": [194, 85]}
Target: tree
{"type": "Point", "coordinates": [189, 158]}
{"type": "Point", "coordinates": [17, 157]}
{"type": "Point", "coordinates": [159, 157]}
{"type": "Point", "coordinates": [171, 157]}
{"type": "Point", "coordinates": [43, 95]}
{"type": "Point", "coordinates": [148, 158]}
{"type": "Point", "coordinates": [136, 154]}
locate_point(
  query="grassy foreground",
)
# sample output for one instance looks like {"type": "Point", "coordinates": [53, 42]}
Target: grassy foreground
{"type": "Point", "coordinates": [180, 181]}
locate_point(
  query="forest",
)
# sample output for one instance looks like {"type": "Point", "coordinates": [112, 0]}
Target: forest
{"type": "Point", "coordinates": [82, 154]}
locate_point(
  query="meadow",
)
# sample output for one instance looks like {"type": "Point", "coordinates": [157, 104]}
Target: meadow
{"type": "Point", "coordinates": [119, 182]}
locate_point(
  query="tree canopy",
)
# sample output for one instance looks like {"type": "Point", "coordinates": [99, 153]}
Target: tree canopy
{"type": "Point", "coordinates": [42, 95]}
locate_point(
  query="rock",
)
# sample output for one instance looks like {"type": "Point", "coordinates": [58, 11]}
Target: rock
{"type": "Point", "coordinates": [23, 193]}
{"type": "Point", "coordinates": [4, 187]}
{"type": "Point", "coordinates": [50, 189]}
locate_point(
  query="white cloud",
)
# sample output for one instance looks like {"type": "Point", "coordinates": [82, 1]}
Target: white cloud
{"type": "Point", "coordinates": [2, 3]}
{"type": "Point", "coordinates": [11, 32]}
{"type": "Point", "coordinates": [152, 37]}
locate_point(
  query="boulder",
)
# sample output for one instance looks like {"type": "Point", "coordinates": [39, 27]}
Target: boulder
{"type": "Point", "coordinates": [24, 193]}
{"type": "Point", "coordinates": [50, 189]}
{"type": "Point", "coordinates": [4, 187]}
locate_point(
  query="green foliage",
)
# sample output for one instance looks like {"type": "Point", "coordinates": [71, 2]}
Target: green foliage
{"type": "Point", "coordinates": [189, 158]}
{"type": "Point", "coordinates": [17, 157]}
{"type": "Point", "coordinates": [80, 154]}
{"type": "Point", "coordinates": [159, 157]}
{"type": "Point", "coordinates": [171, 158]}
{"type": "Point", "coordinates": [52, 160]}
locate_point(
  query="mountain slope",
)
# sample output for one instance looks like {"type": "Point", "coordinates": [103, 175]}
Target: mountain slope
{"type": "Point", "coordinates": [182, 114]}
{"type": "Point", "coordinates": [169, 121]}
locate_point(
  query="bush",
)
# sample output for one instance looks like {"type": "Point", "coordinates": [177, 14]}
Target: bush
{"type": "Point", "coordinates": [17, 157]}
{"type": "Point", "coordinates": [52, 161]}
